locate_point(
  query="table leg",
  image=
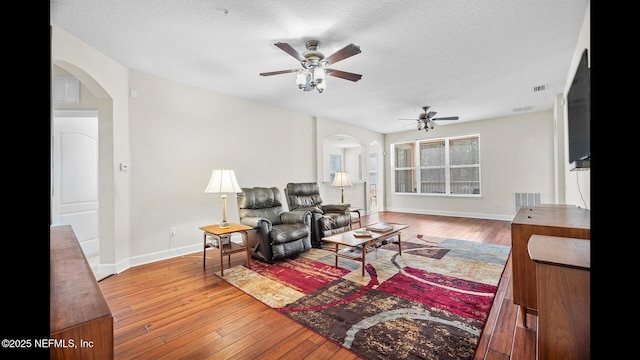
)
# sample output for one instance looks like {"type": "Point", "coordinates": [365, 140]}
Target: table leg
{"type": "Point", "coordinates": [204, 251]}
{"type": "Point", "coordinates": [399, 245]}
{"type": "Point", "coordinates": [228, 237]}
{"type": "Point", "coordinates": [246, 246]}
{"type": "Point", "coordinates": [221, 248]}
{"type": "Point", "coordinates": [364, 255]}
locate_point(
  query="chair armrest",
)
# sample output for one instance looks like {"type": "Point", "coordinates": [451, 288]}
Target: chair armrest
{"type": "Point", "coordinates": [296, 216]}
{"type": "Point", "coordinates": [255, 222]}
{"type": "Point", "coordinates": [312, 209]}
{"type": "Point", "coordinates": [341, 208]}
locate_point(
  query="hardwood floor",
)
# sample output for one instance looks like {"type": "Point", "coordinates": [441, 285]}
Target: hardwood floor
{"type": "Point", "coordinates": [175, 308]}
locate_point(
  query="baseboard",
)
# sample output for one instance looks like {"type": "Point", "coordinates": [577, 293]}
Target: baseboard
{"type": "Point", "coordinates": [120, 266]}
{"type": "Point", "coordinates": [189, 250]}
{"type": "Point", "coordinates": [507, 217]}
{"type": "Point", "coordinates": [90, 247]}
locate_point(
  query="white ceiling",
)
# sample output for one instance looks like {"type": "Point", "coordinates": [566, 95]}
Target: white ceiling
{"type": "Point", "coordinates": [473, 59]}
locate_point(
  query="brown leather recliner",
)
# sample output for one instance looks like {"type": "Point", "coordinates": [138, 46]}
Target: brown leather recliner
{"type": "Point", "coordinates": [276, 234]}
{"type": "Point", "coordinates": [327, 219]}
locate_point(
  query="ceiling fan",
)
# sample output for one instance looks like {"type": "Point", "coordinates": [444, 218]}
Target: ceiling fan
{"type": "Point", "coordinates": [315, 65]}
{"type": "Point", "coordinates": [426, 119]}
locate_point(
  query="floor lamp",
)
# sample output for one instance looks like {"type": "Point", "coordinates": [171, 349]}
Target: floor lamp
{"type": "Point", "coordinates": [222, 182]}
{"type": "Point", "coordinates": [342, 180]}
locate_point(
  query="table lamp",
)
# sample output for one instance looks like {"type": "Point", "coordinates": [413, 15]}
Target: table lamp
{"type": "Point", "coordinates": [342, 180]}
{"type": "Point", "coordinates": [223, 181]}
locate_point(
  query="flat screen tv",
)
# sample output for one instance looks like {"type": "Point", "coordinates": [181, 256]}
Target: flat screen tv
{"type": "Point", "coordinates": [579, 113]}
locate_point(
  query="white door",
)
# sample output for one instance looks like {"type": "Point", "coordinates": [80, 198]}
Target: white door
{"type": "Point", "coordinates": [74, 197]}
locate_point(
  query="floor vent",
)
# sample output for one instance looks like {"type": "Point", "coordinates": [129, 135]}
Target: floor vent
{"type": "Point", "coordinates": [527, 199]}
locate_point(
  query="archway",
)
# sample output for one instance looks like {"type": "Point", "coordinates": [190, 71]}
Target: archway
{"type": "Point", "coordinates": [95, 97]}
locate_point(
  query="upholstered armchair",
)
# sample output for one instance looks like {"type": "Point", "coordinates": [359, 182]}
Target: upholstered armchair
{"type": "Point", "coordinates": [327, 219]}
{"type": "Point", "coordinates": [276, 234]}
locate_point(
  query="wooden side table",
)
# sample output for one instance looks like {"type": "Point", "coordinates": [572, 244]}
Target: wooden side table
{"type": "Point", "coordinates": [224, 235]}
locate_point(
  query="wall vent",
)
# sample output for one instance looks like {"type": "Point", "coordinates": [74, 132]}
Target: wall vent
{"type": "Point", "coordinates": [524, 108]}
{"type": "Point", "coordinates": [527, 199]}
{"type": "Point", "coordinates": [66, 90]}
{"type": "Point", "coordinates": [539, 88]}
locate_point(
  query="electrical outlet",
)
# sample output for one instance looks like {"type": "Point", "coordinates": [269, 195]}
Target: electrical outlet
{"type": "Point", "coordinates": [172, 231]}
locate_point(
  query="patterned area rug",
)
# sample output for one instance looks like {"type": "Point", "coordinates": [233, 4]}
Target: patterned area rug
{"type": "Point", "coordinates": [431, 302]}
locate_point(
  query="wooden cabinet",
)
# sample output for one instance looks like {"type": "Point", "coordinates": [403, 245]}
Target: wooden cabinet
{"type": "Point", "coordinates": [552, 220]}
{"type": "Point", "coordinates": [80, 319]}
{"type": "Point", "coordinates": [563, 271]}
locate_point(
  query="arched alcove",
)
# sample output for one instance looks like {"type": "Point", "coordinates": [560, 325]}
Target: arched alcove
{"type": "Point", "coordinates": [95, 97]}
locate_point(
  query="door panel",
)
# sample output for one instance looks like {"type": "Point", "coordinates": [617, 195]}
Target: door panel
{"type": "Point", "coordinates": [75, 176]}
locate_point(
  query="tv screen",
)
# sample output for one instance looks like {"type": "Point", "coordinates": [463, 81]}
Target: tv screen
{"type": "Point", "coordinates": [579, 113]}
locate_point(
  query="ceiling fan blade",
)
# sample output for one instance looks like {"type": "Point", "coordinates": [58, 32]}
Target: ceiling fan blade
{"type": "Point", "coordinates": [345, 52]}
{"type": "Point", "coordinates": [344, 75]}
{"type": "Point", "coordinates": [447, 118]}
{"type": "Point", "coordinates": [407, 125]}
{"type": "Point", "coordinates": [291, 51]}
{"type": "Point", "coordinates": [278, 72]}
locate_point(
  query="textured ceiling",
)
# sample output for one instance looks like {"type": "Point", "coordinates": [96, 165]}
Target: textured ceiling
{"type": "Point", "coordinates": [473, 59]}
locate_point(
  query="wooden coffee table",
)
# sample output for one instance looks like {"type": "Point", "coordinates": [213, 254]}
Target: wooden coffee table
{"type": "Point", "coordinates": [349, 240]}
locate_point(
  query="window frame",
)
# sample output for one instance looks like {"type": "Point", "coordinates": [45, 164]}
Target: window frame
{"type": "Point", "coordinates": [417, 167]}
{"type": "Point", "coordinates": [335, 165]}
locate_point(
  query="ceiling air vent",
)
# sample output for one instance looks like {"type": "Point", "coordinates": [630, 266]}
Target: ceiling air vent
{"type": "Point", "coordinates": [539, 88]}
{"type": "Point", "coordinates": [524, 108]}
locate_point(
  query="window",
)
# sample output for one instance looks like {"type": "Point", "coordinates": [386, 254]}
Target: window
{"type": "Point", "coordinates": [449, 166]}
{"type": "Point", "coordinates": [404, 174]}
{"type": "Point", "coordinates": [335, 165]}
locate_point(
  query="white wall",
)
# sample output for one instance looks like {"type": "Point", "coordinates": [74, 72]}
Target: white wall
{"type": "Point", "coordinates": [577, 184]}
{"type": "Point", "coordinates": [516, 155]}
{"type": "Point", "coordinates": [107, 80]}
{"type": "Point", "coordinates": [180, 133]}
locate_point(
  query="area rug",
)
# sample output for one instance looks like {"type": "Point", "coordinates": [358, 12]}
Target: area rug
{"type": "Point", "coordinates": [431, 302]}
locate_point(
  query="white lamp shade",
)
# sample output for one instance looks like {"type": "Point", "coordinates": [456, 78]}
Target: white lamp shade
{"type": "Point", "coordinates": [341, 179]}
{"type": "Point", "coordinates": [318, 74]}
{"type": "Point", "coordinates": [301, 79]}
{"type": "Point", "coordinates": [223, 181]}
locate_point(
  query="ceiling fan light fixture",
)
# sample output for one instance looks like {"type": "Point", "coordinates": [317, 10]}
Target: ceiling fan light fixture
{"type": "Point", "coordinates": [426, 121]}
{"type": "Point", "coordinates": [301, 79]}
{"type": "Point", "coordinates": [314, 72]}
{"type": "Point", "coordinates": [318, 74]}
